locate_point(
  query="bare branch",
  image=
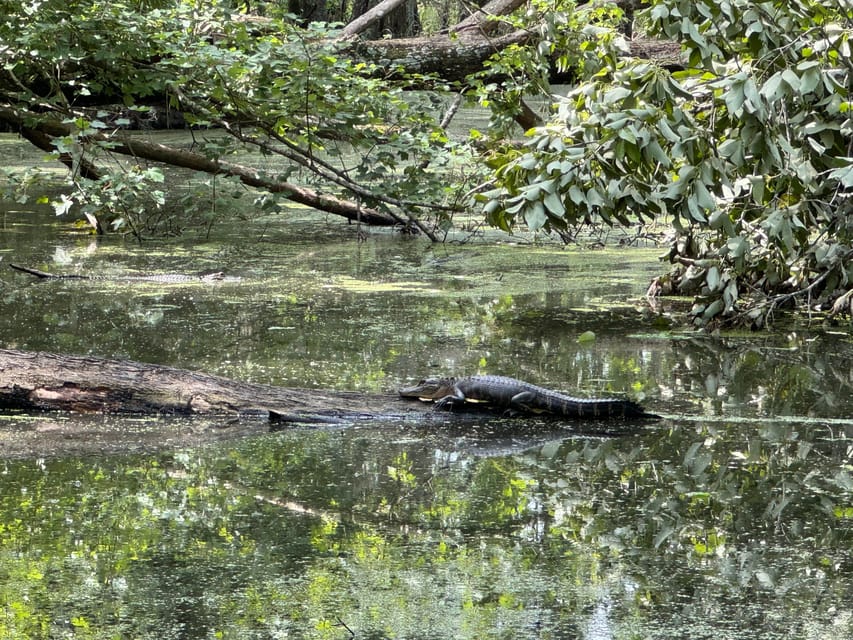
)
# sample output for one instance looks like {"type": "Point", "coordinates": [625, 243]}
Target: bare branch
{"type": "Point", "coordinates": [319, 167]}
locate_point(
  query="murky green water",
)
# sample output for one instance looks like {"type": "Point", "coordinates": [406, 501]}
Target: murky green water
{"type": "Point", "coordinates": [729, 519]}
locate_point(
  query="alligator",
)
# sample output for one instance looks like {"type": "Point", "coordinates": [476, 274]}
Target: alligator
{"type": "Point", "coordinates": [152, 277]}
{"type": "Point", "coordinates": [511, 395]}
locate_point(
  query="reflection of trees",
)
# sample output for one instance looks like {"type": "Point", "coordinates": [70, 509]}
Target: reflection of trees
{"type": "Point", "coordinates": [689, 525]}
{"type": "Point", "coordinates": [802, 375]}
{"type": "Point", "coordinates": [716, 523]}
{"type": "Point", "coordinates": [686, 527]}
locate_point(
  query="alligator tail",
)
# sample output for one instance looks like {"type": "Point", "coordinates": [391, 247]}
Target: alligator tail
{"type": "Point", "coordinates": [32, 272]}
{"type": "Point", "coordinates": [630, 409]}
{"type": "Point", "coordinates": [609, 408]}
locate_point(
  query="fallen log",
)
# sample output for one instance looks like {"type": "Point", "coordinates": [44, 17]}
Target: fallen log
{"type": "Point", "coordinates": [38, 381]}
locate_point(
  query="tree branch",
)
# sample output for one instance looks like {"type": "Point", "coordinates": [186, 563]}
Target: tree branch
{"type": "Point", "coordinates": [44, 142]}
{"type": "Point", "coordinates": [366, 19]}
{"type": "Point", "coordinates": [130, 146]}
{"type": "Point", "coordinates": [480, 21]}
{"type": "Point", "coordinates": [319, 167]}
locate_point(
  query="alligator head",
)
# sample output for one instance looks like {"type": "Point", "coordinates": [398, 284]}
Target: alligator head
{"type": "Point", "coordinates": [430, 389]}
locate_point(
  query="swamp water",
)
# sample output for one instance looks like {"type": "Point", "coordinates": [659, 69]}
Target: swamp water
{"type": "Point", "coordinates": [730, 518]}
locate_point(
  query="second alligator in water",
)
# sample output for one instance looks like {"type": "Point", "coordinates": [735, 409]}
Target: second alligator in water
{"type": "Point", "coordinates": [152, 277]}
{"type": "Point", "coordinates": [509, 394]}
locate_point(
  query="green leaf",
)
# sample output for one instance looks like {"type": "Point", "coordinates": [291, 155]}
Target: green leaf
{"type": "Point", "coordinates": [712, 278]}
{"type": "Point", "coordinates": [754, 27]}
{"type": "Point", "coordinates": [528, 162]}
{"type": "Point", "coordinates": [586, 337]}
{"type": "Point", "coordinates": [810, 79]}
{"type": "Point", "coordinates": [757, 183]}
{"type": "Point", "coordinates": [491, 206]}
{"type": "Point", "coordinates": [689, 28]}
{"type": "Point", "coordinates": [694, 211]}
{"type": "Point", "coordinates": [713, 309]}
{"type": "Point", "coordinates": [730, 294]}
{"type": "Point", "coordinates": [594, 198]}
{"type": "Point", "coordinates": [774, 88]}
{"type": "Point", "coordinates": [753, 101]}
{"type": "Point", "coordinates": [554, 203]}
{"type": "Point", "coordinates": [535, 216]}
{"type": "Point", "coordinates": [616, 94]}
{"type": "Point", "coordinates": [703, 197]}
{"type": "Point", "coordinates": [531, 192]}
{"type": "Point", "coordinates": [718, 219]}
{"type": "Point", "coordinates": [628, 134]}
{"type": "Point", "coordinates": [576, 195]}
{"type": "Point", "coordinates": [155, 175]}
{"type": "Point", "coordinates": [737, 247]}
{"type": "Point", "coordinates": [731, 148]}
{"type": "Point", "coordinates": [844, 174]}
{"type": "Point", "coordinates": [667, 131]}
{"type": "Point", "coordinates": [659, 12]}
{"type": "Point", "coordinates": [791, 79]}
{"type": "Point", "coordinates": [657, 153]}
{"type": "Point", "coordinates": [734, 98]}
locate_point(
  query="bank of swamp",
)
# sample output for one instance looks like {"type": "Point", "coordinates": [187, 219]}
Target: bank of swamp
{"type": "Point", "coordinates": [730, 518]}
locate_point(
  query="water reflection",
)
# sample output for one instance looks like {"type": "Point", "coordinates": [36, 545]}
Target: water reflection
{"type": "Point", "coordinates": [685, 529]}
{"type": "Point", "coordinates": [286, 327]}
{"type": "Point", "coordinates": [731, 518]}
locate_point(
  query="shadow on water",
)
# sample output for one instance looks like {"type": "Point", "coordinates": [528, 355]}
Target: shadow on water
{"type": "Point", "coordinates": [730, 518]}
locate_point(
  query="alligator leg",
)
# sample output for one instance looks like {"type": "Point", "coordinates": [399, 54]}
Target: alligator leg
{"type": "Point", "coordinates": [450, 400]}
{"type": "Point", "coordinates": [523, 402]}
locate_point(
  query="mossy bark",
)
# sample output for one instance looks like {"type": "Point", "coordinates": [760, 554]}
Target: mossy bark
{"type": "Point", "coordinates": [38, 381]}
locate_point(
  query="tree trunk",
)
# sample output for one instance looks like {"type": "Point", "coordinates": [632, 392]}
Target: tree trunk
{"type": "Point", "coordinates": [452, 58]}
{"type": "Point", "coordinates": [36, 381]}
{"type": "Point", "coordinates": [397, 17]}
{"type": "Point", "coordinates": [309, 10]}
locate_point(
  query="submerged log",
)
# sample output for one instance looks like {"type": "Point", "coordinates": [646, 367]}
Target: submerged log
{"type": "Point", "coordinates": [38, 381]}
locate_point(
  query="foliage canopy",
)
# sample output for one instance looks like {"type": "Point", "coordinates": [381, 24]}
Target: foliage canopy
{"type": "Point", "coordinates": [81, 72]}
{"type": "Point", "coordinates": [743, 146]}
{"type": "Point", "coordinates": [746, 150]}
